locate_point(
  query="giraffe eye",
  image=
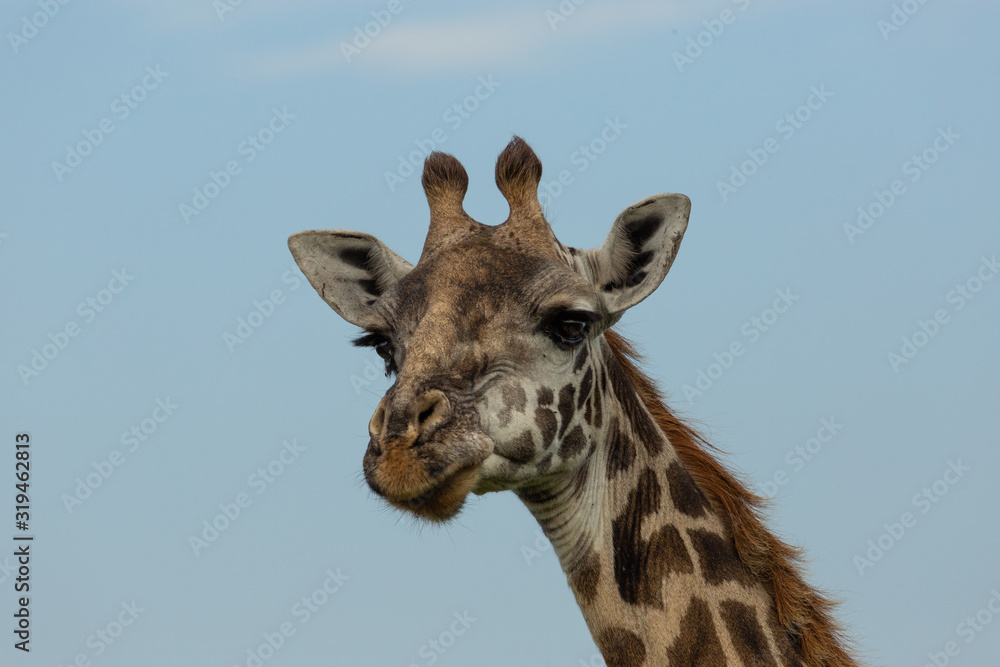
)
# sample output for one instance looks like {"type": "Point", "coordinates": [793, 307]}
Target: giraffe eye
{"type": "Point", "coordinates": [568, 329]}
{"type": "Point", "coordinates": [383, 348]}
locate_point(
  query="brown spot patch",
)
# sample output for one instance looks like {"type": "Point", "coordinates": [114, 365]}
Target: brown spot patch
{"type": "Point", "coordinates": [621, 648]}
{"type": "Point", "coordinates": [573, 443]}
{"type": "Point", "coordinates": [621, 451]}
{"type": "Point", "coordinates": [546, 420]}
{"type": "Point", "coordinates": [514, 397]}
{"type": "Point", "coordinates": [585, 578]}
{"type": "Point", "coordinates": [664, 553]}
{"type": "Point", "coordinates": [697, 643]}
{"type": "Point", "coordinates": [719, 560]}
{"type": "Point", "coordinates": [686, 495]}
{"type": "Point", "coordinates": [565, 407]}
{"type": "Point", "coordinates": [514, 400]}
{"type": "Point", "coordinates": [645, 429]}
{"type": "Point", "coordinates": [746, 634]}
{"type": "Point", "coordinates": [641, 565]}
{"type": "Point", "coordinates": [581, 358]}
{"type": "Point", "coordinates": [667, 553]}
{"type": "Point", "coordinates": [522, 449]}
{"type": "Point", "coordinates": [544, 464]}
{"type": "Point", "coordinates": [545, 397]}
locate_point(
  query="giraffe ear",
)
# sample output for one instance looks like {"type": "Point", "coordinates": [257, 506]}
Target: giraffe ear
{"type": "Point", "coordinates": [639, 250]}
{"type": "Point", "coordinates": [350, 270]}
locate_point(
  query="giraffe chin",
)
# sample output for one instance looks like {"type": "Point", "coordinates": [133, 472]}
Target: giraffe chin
{"type": "Point", "coordinates": [430, 480]}
{"type": "Point", "coordinates": [444, 500]}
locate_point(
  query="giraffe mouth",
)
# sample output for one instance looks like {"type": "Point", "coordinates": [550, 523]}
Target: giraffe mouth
{"type": "Point", "coordinates": [430, 480]}
{"type": "Point", "coordinates": [445, 498]}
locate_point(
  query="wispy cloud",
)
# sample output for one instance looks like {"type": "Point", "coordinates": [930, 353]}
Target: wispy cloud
{"type": "Point", "coordinates": [422, 38]}
{"type": "Point", "coordinates": [206, 15]}
{"type": "Point", "coordinates": [501, 38]}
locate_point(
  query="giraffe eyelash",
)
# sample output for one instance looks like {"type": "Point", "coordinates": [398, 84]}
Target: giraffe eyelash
{"type": "Point", "coordinates": [368, 339]}
{"type": "Point", "coordinates": [383, 348]}
{"type": "Point", "coordinates": [568, 328]}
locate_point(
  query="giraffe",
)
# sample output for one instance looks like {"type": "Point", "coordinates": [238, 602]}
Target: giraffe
{"type": "Point", "coordinates": [509, 377]}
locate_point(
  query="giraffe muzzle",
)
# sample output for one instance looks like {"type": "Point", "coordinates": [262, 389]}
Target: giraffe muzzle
{"type": "Point", "coordinates": [422, 457]}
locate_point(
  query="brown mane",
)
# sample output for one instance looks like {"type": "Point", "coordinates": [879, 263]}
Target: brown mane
{"type": "Point", "coordinates": [803, 613]}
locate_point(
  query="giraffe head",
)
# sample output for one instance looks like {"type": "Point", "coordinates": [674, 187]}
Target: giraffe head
{"type": "Point", "coordinates": [489, 334]}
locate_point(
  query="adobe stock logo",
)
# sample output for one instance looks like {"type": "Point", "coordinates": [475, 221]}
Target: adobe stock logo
{"type": "Point", "coordinates": [541, 546]}
{"type": "Point", "coordinates": [697, 45]}
{"type": "Point", "coordinates": [260, 481]}
{"type": "Point", "coordinates": [798, 456]}
{"type": "Point", "coordinates": [262, 311]}
{"type": "Point", "coordinates": [250, 148]}
{"type": "Point", "coordinates": [223, 7]}
{"type": "Point", "coordinates": [363, 35]}
{"type": "Point", "coordinates": [924, 500]}
{"type": "Point", "coordinates": [752, 329]}
{"type": "Point", "coordinates": [562, 13]}
{"type": "Point", "coordinates": [302, 610]}
{"type": "Point", "coordinates": [914, 168]}
{"type": "Point", "coordinates": [434, 648]}
{"type": "Point", "coordinates": [31, 25]}
{"type": "Point", "coordinates": [60, 340]}
{"type": "Point", "coordinates": [963, 293]}
{"type": "Point", "coordinates": [787, 125]}
{"type": "Point", "coordinates": [134, 437]}
{"type": "Point", "coordinates": [455, 115]}
{"type": "Point", "coordinates": [899, 17]}
{"type": "Point", "coordinates": [584, 156]}
{"type": "Point", "coordinates": [105, 636]}
{"type": "Point", "coordinates": [122, 107]}
{"type": "Point", "coordinates": [968, 630]}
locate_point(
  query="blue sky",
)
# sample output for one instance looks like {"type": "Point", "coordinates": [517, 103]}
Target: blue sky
{"type": "Point", "coordinates": [867, 408]}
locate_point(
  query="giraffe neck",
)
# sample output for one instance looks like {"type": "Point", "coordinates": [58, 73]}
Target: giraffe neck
{"type": "Point", "coordinates": [653, 566]}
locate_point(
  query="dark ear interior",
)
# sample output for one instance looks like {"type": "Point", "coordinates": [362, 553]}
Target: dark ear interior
{"type": "Point", "coordinates": [638, 252]}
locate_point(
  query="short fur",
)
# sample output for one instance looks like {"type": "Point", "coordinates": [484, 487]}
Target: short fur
{"type": "Point", "coordinates": [444, 175]}
{"type": "Point", "coordinates": [803, 613]}
{"type": "Point", "coordinates": [518, 174]}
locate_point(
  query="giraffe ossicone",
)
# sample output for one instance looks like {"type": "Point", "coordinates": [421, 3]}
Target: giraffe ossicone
{"type": "Point", "coordinates": [508, 377]}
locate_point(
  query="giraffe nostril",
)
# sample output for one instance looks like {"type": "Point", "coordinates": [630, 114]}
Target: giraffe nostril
{"type": "Point", "coordinates": [429, 411]}
{"type": "Point", "coordinates": [425, 415]}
